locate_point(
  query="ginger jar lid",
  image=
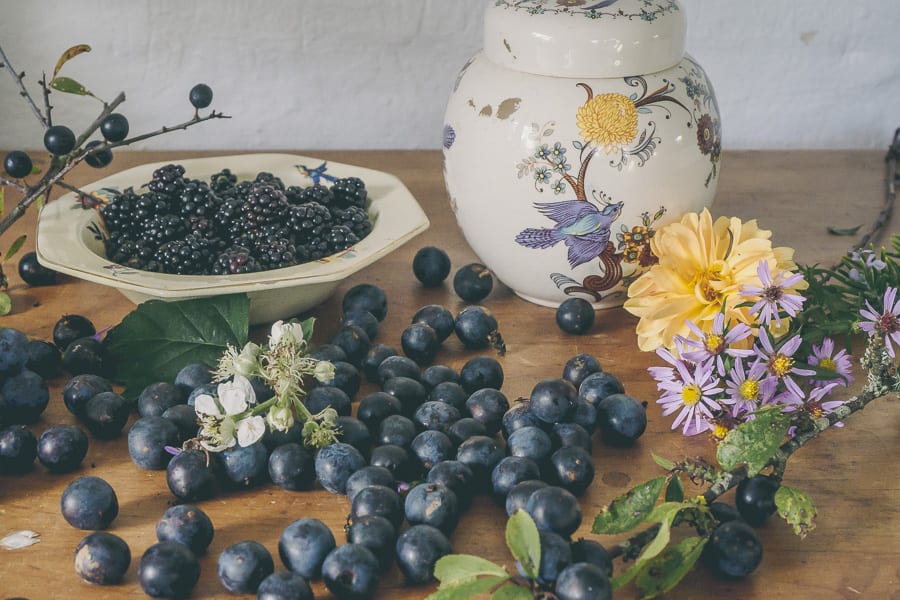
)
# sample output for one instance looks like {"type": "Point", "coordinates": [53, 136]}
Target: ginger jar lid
{"type": "Point", "coordinates": [585, 38]}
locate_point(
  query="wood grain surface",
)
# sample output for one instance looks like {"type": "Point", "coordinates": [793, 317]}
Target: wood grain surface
{"type": "Point", "coordinates": [851, 473]}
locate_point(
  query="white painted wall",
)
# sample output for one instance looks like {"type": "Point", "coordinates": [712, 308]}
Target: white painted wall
{"type": "Point", "coordinates": [350, 74]}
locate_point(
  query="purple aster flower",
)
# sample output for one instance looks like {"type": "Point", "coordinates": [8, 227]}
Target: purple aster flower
{"type": "Point", "coordinates": [887, 323]}
{"type": "Point", "coordinates": [716, 343]}
{"type": "Point", "coordinates": [816, 406]}
{"type": "Point", "coordinates": [823, 356]}
{"type": "Point", "coordinates": [773, 295]}
{"type": "Point", "coordinates": [665, 374]}
{"type": "Point", "coordinates": [692, 395]}
{"type": "Point", "coordinates": [868, 259]}
{"type": "Point", "coordinates": [748, 390]}
{"type": "Point", "coordinates": [780, 361]}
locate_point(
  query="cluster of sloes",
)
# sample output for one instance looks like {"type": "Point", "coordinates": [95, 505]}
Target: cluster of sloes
{"type": "Point", "coordinates": [25, 365]}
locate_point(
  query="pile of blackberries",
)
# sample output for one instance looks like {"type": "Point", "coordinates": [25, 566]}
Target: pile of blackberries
{"type": "Point", "coordinates": [174, 224]}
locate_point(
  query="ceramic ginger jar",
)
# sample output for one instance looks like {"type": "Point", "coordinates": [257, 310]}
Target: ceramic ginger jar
{"type": "Point", "coordinates": [577, 131]}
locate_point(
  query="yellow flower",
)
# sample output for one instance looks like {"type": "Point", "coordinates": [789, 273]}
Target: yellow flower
{"type": "Point", "coordinates": [702, 266]}
{"type": "Point", "coordinates": [609, 120]}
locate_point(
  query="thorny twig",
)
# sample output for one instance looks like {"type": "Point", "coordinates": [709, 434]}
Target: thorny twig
{"type": "Point", "coordinates": [23, 91]}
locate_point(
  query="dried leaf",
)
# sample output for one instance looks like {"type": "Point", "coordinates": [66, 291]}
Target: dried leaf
{"type": "Point", "coordinates": [844, 230]}
{"type": "Point", "coordinates": [69, 55]}
{"type": "Point", "coordinates": [68, 86]}
{"type": "Point", "coordinates": [797, 508]}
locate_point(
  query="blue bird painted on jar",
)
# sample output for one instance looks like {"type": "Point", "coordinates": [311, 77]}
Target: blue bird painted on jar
{"type": "Point", "coordinates": [583, 228]}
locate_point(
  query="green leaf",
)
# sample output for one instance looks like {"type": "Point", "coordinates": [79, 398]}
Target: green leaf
{"type": "Point", "coordinates": [754, 442]}
{"type": "Point", "coordinates": [307, 327]}
{"type": "Point", "coordinates": [5, 303]}
{"type": "Point", "coordinates": [524, 542]}
{"type": "Point", "coordinates": [157, 339]}
{"type": "Point", "coordinates": [512, 592]}
{"type": "Point", "coordinates": [630, 509]}
{"type": "Point", "coordinates": [843, 231]}
{"type": "Point", "coordinates": [69, 55]}
{"type": "Point", "coordinates": [675, 490]}
{"type": "Point", "coordinates": [665, 571]}
{"type": "Point", "coordinates": [15, 247]}
{"type": "Point", "coordinates": [797, 508]}
{"type": "Point", "coordinates": [457, 568]}
{"type": "Point", "coordinates": [666, 464]}
{"type": "Point", "coordinates": [467, 589]}
{"type": "Point", "coordinates": [664, 514]}
{"type": "Point", "coordinates": [2, 199]}
{"type": "Point", "coordinates": [68, 86]}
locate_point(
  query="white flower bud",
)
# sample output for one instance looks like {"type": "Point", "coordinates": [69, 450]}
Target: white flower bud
{"type": "Point", "coordinates": [247, 362]}
{"type": "Point", "coordinates": [280, 418]}
{"type": "Point", "coordinates": [324, 371]}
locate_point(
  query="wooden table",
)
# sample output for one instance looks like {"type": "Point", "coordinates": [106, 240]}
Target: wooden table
{"type": "Point", "coordinates": [851, 473]}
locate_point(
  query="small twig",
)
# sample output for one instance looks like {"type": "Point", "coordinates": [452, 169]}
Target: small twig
{"type": "Point", "coordinates": [45, 89]}
{"type": "Point", "coordinates": [77, 190]}
{"type": "Point", "coordinates": [13, 184]}
{"type": "Point", "coordinates": [24, 92]}
{"type": "Point", "coordinates": [139, 138]}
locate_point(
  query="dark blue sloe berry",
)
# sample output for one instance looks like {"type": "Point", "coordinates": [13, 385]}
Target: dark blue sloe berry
{"type": "Point", "coordinates": [473, 282]}
{"type": "Point", "coordinates": [114, 127]}
{"type": "Point", "coordinates": [580, 366]}
{"type": "Point", "coordinates": [44, 358]}
{"type": "Point", "coordinates": [553, 400]}
{"type": "Point", "coordinates": [335, 464]}
{"type": "Point", "coordinates": [369, 475]}
{"type": "Point", "coordinates": [13, 351]}
{"type": "Point", "coordinates": [351, 571]}
{"type": "Point", "coordinates": [520, 493]}
{"type": "Point", "coordinates": [184, 418]}
{"type": "Point", "coordinates": [33, 272]}
{"type": "Point", "coordinates": [373, 408]}
{"type": "Point", "coordinates": [374, 357]}
{"type": "Point", "coordinates": [564, 435]}
{"type": "Point", "coordinates": [583, 581]}
{"type": "Point", "coordinates": [89, 503]}
{"type": "Point", "coordinates": [573, 468]}
{"type": "Point", "coordinates": [449, 392]}
{"type": "Point", "coordinates": [475, 326]}
{"type": "Point", "coordinates": [437, 374]}
{"type": "Point", "coordinates": [488, 406]}
{"type": "Point", "coordinates": [466, 428]}
{"type": "Point", "coordinates": [431, 265]}
{"type": "Point", "coordinates": [455, 475]}
{"type": "Point", "coordinates": [192, 376]}
{"type": "Point", "coordinates": [102, 558]}
{"type": "Point", "coordinates": [322, 397]}
{"type": "Point", "coordinates": [190, 476]}
{"type": "Point", "coordinates": [575, 316]}
{"type": "Point", "coordinates": [438, 416]}
{"type": "Point", "coordinates": [70, 328]}
{"type": "Point", "coordinates": [755, 499]}
{"type": "Point", "coordinates": [18, 449]}
{"type": "Point", "coordinates": [418, 550]}
{"type": "Point", "coordinates": [554, 509]}
{"type": "Point", "coordinates": [284, 585]}
{"type": "Point", "coordinates": [245, 466]}
{"type": "Point", "coordinates": [105, 415]}
{"type": "Point", "coordinates": [59, 140]}
{"type": "Point", "coordinates": [61, 448]}
{"type": "Point", "coordinates": [375, 533]}
{"type": "Point", "coordinates": [438, 318]}
{"type": "Point", "coordinates": [431, 447]}
{"type": "Point", "coordinates": [157, 397]}
{"type": "Point", "coordinates": [724, 512]}
{"type": "Point", "coordinates": [733, 550]}
{"type": "Point", "coordinates": [82, 388]}
{"type": "Point", "coordinates": [201, 96]}
{"type": "Point", "coordinates": [329, 352]}
{"type": "Point", "coordinates": [353, 340]}
{"type": "Point", "coordinates": [432, 504]}
{"type": "Point", "coordinates": [292, 467]}
{"type": "Point", "coordinates": [366, 296]}
{"type": "Point", "coordinates": [303, 546]}
{"type": "Point", "coordinates": [186, 524]}
{"type": "Point", "coordinates": [346, 378]}
{"type": "Point", "coordinates": [510, 471]}
{"type": "Point", "coordinates": [481, 372]}
{"type": "Point", "coordinates": [397, 430]}
{"type": "Point", "coordinates": [25, 396]}
{"type": "Point", "coordinates": [17, 164]}
{"type": "Point", "coordinates": [518, 416]}
{"type": "Point", "coordinates": [243, 566]}
{"type": "Point", "coordinates": [354, 432]}
{"type": "Point", "coordinates": [397, 366]}
{"type": "Point", "coordinates": [530, 442]}
{"type": "Point", "coordinates": [147, 441]}
{"type": "Point", "coordinates": [85, 355]}
{"type": "Point", "coordinates": [168, 570]}
{"type": "Point", "coordinates": [585, 415]}
{"type": "Point", "coordinates": [97, 157]}
{"type": "Point", "coordinates": [597, 386]}
{"type": "Point", "coordinates": [555, 557]}
{"type": "Point", "coordinates": [621, 419]}
{"type": "Point", "coordinates": [589, 551]}
{"type": "Point", "coordinates": [481, 454]}
{"type": "Point", "coordinates": [410, 392]}
{"type": "Point", "coordinates": [420, 342]}
{"type": "Point", "coordinates": [378, 500]}
{"type": "Point", "coordinates": [396, 460]}
{"type": "Point", "coordinates": [364, 320]}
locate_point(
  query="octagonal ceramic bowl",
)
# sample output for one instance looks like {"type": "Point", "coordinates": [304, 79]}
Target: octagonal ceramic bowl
{"type": "Point", "coordinates": [68, 239]}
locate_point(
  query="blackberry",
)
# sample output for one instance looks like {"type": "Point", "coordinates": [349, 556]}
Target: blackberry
{"type": "Point", "coordinates": [316, 193]}
{"type": "Point", "coordinates": [340, 237]}
{"type": "Point", "coordinates": [292, 193]}
{"type": "Point", "coordinates": [259, 237]}
{"type": "Point", "coordinates": [118, 213]}
{"type": "Point", "coordinates": [316, 246]}
{"type": "Point", "coordinates": [276, 253]}
{"type": "Point", "coordinates": [136, 254]}
{"type": "Point", "coordinates": [307, 220]}
{"type": "Point", "coordinates": [196, 199]}
{"type": "Point", "coordinates": [222, 180]}
{"type": "Point", "coordinates": [167, 180]}
{"type": "Point", "coordinates": [189, 256]}
{"type": "Point", "coordinates": [349, 191]}
{"type": "Point", "coordinates": [264, 204]}
{"type": "Point", "coordinates": [203, 226]}
{"type": "Point", "coordinates": [356, 218]}
{"type": "Point", "coordinates": [270, 179]}
{"type": "Point", "coordinates": [227, 220]}
{"type": "Point", "coordinates": [234, 261]}
{"type": "Point", "coordinates": [163, 228]}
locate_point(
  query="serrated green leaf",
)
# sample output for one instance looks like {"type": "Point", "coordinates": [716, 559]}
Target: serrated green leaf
{"type": "Point", "coordinates": [630, 509]}
{"type": "Point", "coordinates": [457, 568]}
{"type": "Point", "coordinates": [467, 589]}
{"type": "Point", "coordinates": [664, 514]}
{"type": "Point", "coordinates": [524, 542]}
{"type": "Point", "coordinates": [69, 86]}
{"type": "Point", "coordinates": [663, 573]}
{"type": "Point", "coordinates": [796, 507]}
{"type": "Point", "coordinates": [843, 230]}
{"type": "Point", "coordinates": [157, 339]}
{"type": "Point", "coordinates": [512, 592]}
{"type": "Point", "coordinates": [666, 464]}
{"type": "Point", "coordinates": [69, 55]}
{"type": "Point", "coordinates": [675, 490]}
{"type": "Point", "coordinates": [15, 247]}
{"type": "Point", "coordinates": [5, 303]}
{"type": "Point", "coordinates": [2, 199]}
{"type": "Point", "coordinates": [307, 327]}
{"type": "Point", "coordinates": [754, 442]}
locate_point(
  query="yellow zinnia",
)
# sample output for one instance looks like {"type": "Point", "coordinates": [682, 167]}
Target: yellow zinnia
{"type": "Point", "coordinates": [702, 266]}
{"type": "Point", "coordinates": [609, 120]}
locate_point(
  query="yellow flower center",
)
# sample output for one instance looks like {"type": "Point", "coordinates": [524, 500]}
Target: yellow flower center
{"type": "Point", "coordinates": [705, 287]}
{"type": "Point", "coordinates": [690, 394]}
{"type": "Point", "coordinates": [781, 365]}
{"type": "Point", "coordinates": [719, 432]}
{"type": "Point", "coordinates": [749, 389]}
{"type": "Point", "coordinates": [828, 364]}
{"type": "Point", "coordinates": [714, 343]}
{"type": "Point", "coordinates": [609, 120]}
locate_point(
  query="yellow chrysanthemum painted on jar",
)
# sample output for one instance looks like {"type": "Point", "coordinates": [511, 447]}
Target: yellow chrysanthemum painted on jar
{"type": "Point", "coordinates": [702, 267]}
{"type": "Point", "coordinates": [608, 120]}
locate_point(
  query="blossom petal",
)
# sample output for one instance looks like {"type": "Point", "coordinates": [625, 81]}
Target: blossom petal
{"type": "Point", "coordinates": [250, 430]}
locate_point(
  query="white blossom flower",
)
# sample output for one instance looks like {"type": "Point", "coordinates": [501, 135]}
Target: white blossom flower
{"type": "Point", "coordinates": [238, 390]}
{"type": "Point", "coordinates": [324, 371]}
{"type": "Point", "coordinates": [250, 430]}
{"type": "Point", "coordinates": [217, 423]}
{"type": "Point", "coordinates": [285, 333]}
